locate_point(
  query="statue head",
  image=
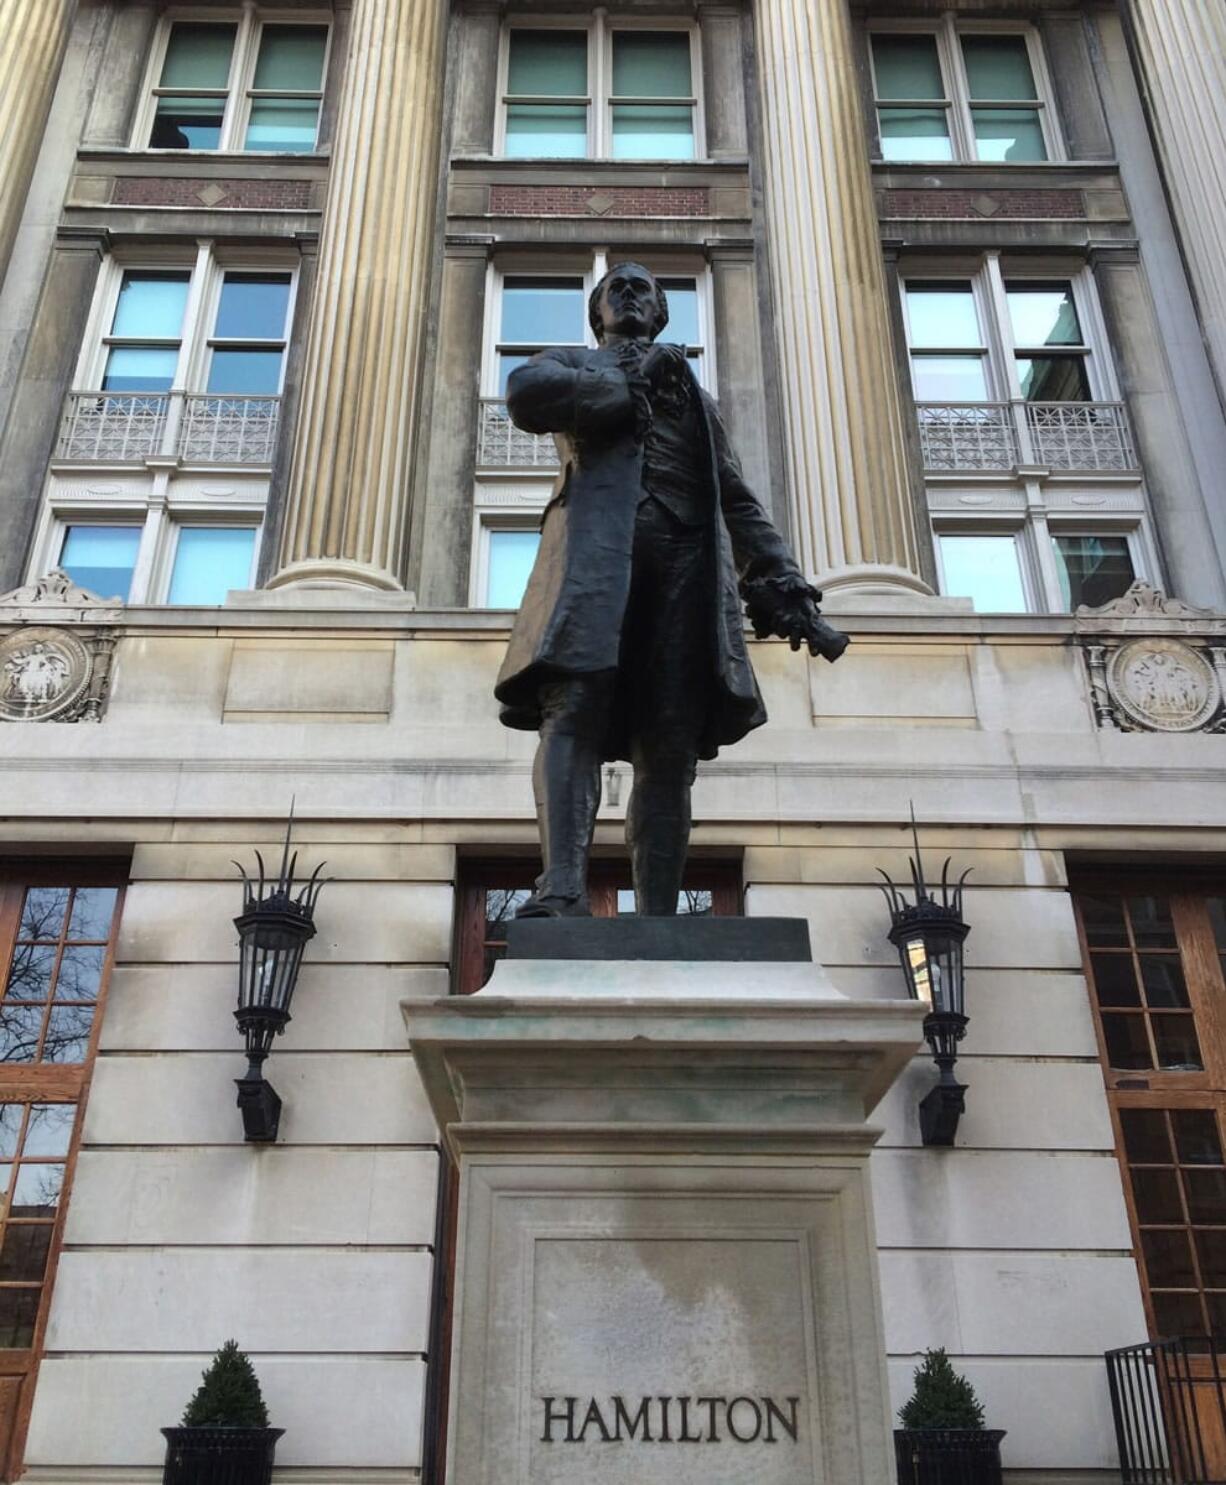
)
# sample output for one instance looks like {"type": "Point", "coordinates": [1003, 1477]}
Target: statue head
{"type": "Point", "coordinates": [628, 301]}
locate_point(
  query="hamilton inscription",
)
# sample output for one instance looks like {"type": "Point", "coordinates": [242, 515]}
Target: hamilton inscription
{"type": "Point", "coordinates": [665, 1419]}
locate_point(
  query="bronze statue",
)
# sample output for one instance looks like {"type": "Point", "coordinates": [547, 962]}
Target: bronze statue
{"type": "Point", "coordinates": [629, 642]}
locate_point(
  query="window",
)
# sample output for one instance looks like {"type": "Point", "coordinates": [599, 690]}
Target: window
{"type": "Point", "coordinates": [247, 84]}
{"type": "Point", "coordinates": [1155, 956]}
{"type": "Point", "coordinates": [57, 937]}
{"type": "Point", "coordinates": [511, 555]}
{"type": "Point", "coordinates": [101, 558]}
{"type": "Point", "coordinates": [209, 561]}
{"type": "Point", "coordinates": [604, 88]}
{"type": "Point", "coordinates": [957, 92]}
{"type": "Point", "coordinates": [985, 568]}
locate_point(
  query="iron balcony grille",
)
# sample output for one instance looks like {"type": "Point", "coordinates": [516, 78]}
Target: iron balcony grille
{"type": "Point", "coordinates": [196, 427]}
{"type": "Point", "coordinates": [1168, 1402]}
{"type": "Point", "coordinates": [501, 445]}
{"type": "Point", "coordinates": [974, 437]}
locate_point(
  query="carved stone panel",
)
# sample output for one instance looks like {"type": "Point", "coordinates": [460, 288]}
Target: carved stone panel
{"type": "Point", "coordinates": [1164, 685]}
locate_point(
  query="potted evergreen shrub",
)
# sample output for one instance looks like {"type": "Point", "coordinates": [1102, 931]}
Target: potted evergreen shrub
{"type": "Point", "coordinates": [224, 1438]}
{"type": "Point", "coordinates": [942, 1440]}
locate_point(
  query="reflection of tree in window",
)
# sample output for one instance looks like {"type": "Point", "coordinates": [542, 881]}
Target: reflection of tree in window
{"type": "Point", "coordinates": [55, 974]}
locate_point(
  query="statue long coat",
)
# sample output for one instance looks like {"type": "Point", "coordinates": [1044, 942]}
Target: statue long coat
{"type": "Point", "coordinates": [571, 617]}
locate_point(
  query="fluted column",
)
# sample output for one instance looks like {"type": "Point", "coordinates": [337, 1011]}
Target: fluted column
{"type": "Point", "coordinates": [1181, 48]}
{"type": "Point", "coordinates": [347, 495]}
{"type": "Point", "coordinates": [32, 38]}
{"type": "Point", "coordinates": [852, 516]}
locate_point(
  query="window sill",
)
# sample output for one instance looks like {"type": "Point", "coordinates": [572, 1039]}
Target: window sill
{"type": "Point", "coordinates": [122, 155]}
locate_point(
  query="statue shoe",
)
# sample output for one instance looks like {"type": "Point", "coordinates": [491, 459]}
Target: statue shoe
{"type": "Point", "coordinates": [550, 906]}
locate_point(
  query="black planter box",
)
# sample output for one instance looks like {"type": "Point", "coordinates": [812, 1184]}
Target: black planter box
{"type": "Point", "coordinates": [948, 1456]}
{"type": "Point", "coordinates": [219, 1456]}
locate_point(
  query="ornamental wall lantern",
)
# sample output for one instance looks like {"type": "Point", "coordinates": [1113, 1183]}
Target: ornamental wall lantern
{"type": "Point", "coordinates": [273, 929]}
{"type": "Point", "coordinates": [928, 934]}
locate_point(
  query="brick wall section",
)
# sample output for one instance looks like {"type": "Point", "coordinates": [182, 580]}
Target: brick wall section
{"type": "Point", "coordinates": [264, 195]}
{"type": "Point", "coordinates": [982, 205]}
{"type": "Point", "coordinates": [615, 201]}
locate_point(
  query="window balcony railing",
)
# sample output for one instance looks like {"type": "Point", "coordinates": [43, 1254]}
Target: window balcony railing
{"type": "Point", "coordinates": [1168, 1403]}
{"type": "Point", "coordinates": [501, 445]}
{"type": "Point", "coordinates": [985, 436]}
{"type": "Point", "coordinates": [195, 427]}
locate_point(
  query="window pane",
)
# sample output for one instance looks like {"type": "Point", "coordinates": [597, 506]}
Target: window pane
{"type": "Point", "coordinates": [986, 569]}
{"type": "Point", "coordinates": [542, 311]}
{"type": "Point", "coordinates": [1211, 1249]}
{"type": "Point", "coordinates": [42, 912]}
{"type": "Point", "coordinates": [998, 67]}
{"type": "Point", "coordinates": [1103, 918]}
{"type": "Point", "coordinates": [651, 64]}
{"type": "Point", "coordinates": [140, 369]}
{"type": "Point", "coordinates": [950, 378]}
{"type": "Point", "coordinates": [181, 123]}
{"type": "Point", "coordinates": [151, 305]}
{"type": "Point", "coordinates": [1043, 314]}
{"type": "Point", "coordinates": [68, 1029]}
{"type": "Point", "coordinates": [1177, 1314]}
{"type": "Point", "coordinates": [209, 561]}
{"type": "Point", "coordinates": [253, 373]}
{"type": "Point", "coordinates": [1162, 975]}
{"type": "Point", "coordinates": [291, 58]}
{"type": "Point", "coordinates": [1152, 924]}
{"type": "Point", "coordinates": [36, 1191]}
{"type": "Point", "coordinates": [1168, 1259]}
{"type": "Point", "coordinates": [286, 124]}
{"type": "Point", "coordinates": [1053, 378]}
{"type": "Point", "coordinates": [20, 1026]}
{"type": "Point", "coordinates": [1127, 1044]}
{"type": "Point", "coordinates": [18, 1313]}
{"type": "Point", "coordinates": [92, 911]}
{"type": "Point", "coordinates": [547, 131]}
{"type": "Point", "coordinates": [1196, 1137]}
{"type": "Point", "coordinates": [512, 554]}
{"type": "Point", "coordinates": [1013, 135]}
{"type": "Point", "coordinates": [506, 365]}
{"type": "Point", "coordinates": [651, 131]}
{"type": "Point", "coordinates": [1115, 980]}
{"type": "Point", "coordinates": [942, 316]}
{"type": "Point", "coordinates": [49, 1132]}
{"type": "Point", "coordinates": [914, 134]}
{"type": "Point", "coordinates": [907, 67]}
{"type": "Point", "coordinates": [80, 972]}
{"type": "Point", "coordinates": [1145, 1137]}
{"type": "Point", "coordinates": [1093, 569]}
{"type": "Point", "coordinates": [1176, 1043]}
{"type": "Point", "coordinates": [1157, 1196]}
{"type": "Point", "coordinates": [1206, 1191]}
{"type": "Point", "coordinates": [101, 558]}
{"type": "Point", "coordinates": [253, 306]}
{"type": "Point", "coordinates": [682, 327]}
{"type": "Point", "coordinates": [547, 64]}
{"type": "Point", "coordinates": [23, 1258]}
{"type": "Point", "coordinates": [10, 1130]}
{"type": "Point", "coordinates": [30, 972]}
{"type": "Point", "coordinates": [198, 55]}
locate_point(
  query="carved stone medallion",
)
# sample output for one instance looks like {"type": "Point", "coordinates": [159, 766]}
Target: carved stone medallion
{"type": "Point", "coordinates": [1163, 685]}
{"type": "Point", "coordinates": [44, 675]}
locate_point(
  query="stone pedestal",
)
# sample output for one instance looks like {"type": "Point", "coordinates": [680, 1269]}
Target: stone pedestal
{"type": "Point", "coordinates": [666, 1264]}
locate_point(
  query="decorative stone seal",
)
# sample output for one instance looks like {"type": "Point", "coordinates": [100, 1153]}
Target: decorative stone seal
{"type": "Point", "coordinates": [44, 675]}
{"type": "Point", "coordinates": [1163, 685]}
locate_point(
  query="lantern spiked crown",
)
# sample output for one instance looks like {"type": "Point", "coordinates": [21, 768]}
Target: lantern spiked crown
{"type": "Point", "coordinates": [274, 928]}
{"type": "Point", "coordinates": [929, 934]}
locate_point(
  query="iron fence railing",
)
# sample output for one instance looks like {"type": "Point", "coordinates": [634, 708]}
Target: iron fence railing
{"type": "Point", "coordinates": [1168, 1401]}
{"type": "Point", "coordinates": [199, 428]}
{"type": "Point", "coordinates": [501, 445]}
{"type": "Point", "coordinates": [984, 436]}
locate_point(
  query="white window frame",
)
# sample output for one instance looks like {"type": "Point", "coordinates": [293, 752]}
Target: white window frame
{"type": "Point", "coordinates": [239, 90]}
{"type": "Point", "coordinates": [947, 32]}
{"type": "Point", "coordinates": [998, 526]}
{"type": "Point", "coordinates": [485, 523]}
{"type": "Point", "coordinates": [600, 26]}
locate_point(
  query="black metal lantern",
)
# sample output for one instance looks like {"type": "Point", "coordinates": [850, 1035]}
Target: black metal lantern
{"type": "Point", "coordinates": [273, 931]}
{"type": "Point", "coordinates": [928, 934]}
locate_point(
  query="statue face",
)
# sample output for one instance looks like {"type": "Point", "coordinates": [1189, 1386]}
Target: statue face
{"type": "Point", "coordinates": [629, 303]}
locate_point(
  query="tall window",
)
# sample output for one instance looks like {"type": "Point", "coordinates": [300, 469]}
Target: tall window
{"type": "Point", "coordinates": [1155, 955]}
{"type": "Point", "coordinates": [247, 84]}
{"type": "Point", "coordinates": [57, 938]}
{"type": "Point", "coordinates": [183, 368]}
{"type": "Point", "coordinates": [958, 92]}
{"type": "Point", "coordinates": [1010, 374]}
{"type": "Point", "coordinates": [528, 312]}
{"type": "Point", "coordinates": [600, 87]}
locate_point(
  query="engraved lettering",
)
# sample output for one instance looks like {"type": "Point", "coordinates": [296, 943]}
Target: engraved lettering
{"type": "Point", "coordinates": [685, 1436]}
{"type": "Point", "coordinates": [711, 1403]}
{"type": "Point", "coordinates": [621, 1415]}
{"type": "Point", "coordinates": [665, 1436]}
{"type": "Point", "coordinates": [550, 1419]}
{"type": "Point", "coordinates": [730, 1419]}
{"type": "Point", "coordinates": [773, 1411]}
{"type": "Point", "coordinates": [593, 1415]}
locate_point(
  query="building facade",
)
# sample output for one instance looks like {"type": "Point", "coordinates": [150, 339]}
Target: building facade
{"type": "Point", "coordinates": [954, 271]}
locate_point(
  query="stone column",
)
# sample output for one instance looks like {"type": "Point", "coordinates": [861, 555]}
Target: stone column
{"type": "Point", "coordinates": [1181, 48]}
{"type": "Point", "coordinates": [347, 498]}
{"type": "Point", "coordinates": [852, 512]}
{"type": "Point", "coordinates": [33, 34]}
